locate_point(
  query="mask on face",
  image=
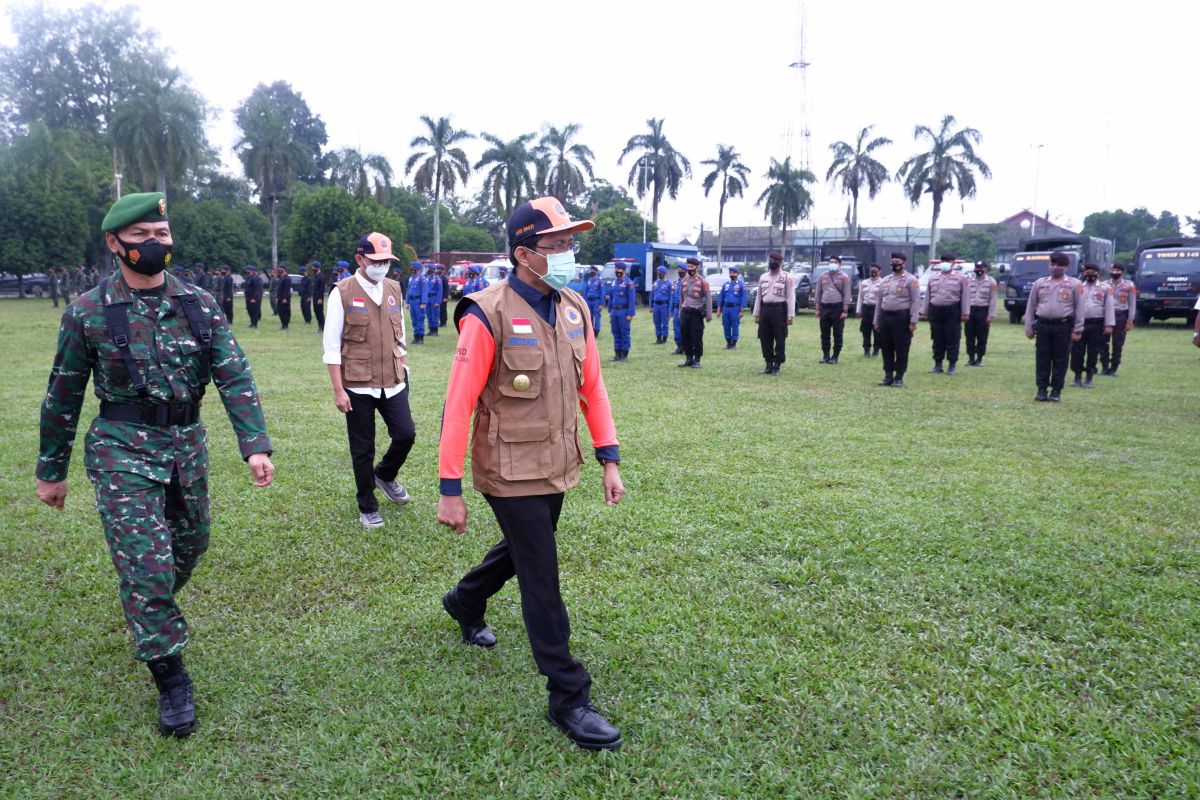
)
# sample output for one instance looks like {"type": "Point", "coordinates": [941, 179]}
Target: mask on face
{"type": "Point", "coordinates": [620, 274]}
{"type": "Point", "coordinates": [1058, 272]}
{"type": "Point", "coordinates": [978, 273]}
{"type": "Point", "coordinates": [1116, 276]}
{"type": "Point", "coordinates": [1090, 277]}
{"type": "Point", "coordinates": [874, 273]}
{"type": "Point", "coordinates": [897, 267]}
{"type": "Point", "coordinates": [560, 269]}
{"type": "Point", "coordinates": [775, 265]}
{"type": "Point", "coordinates": [145, 258]}
{"type": "Point", "coordinates": [378, 273]}
{"type": "Point", "coordinates": [944, 267]}
{"type": "Point", "coordinates": [692, 271]}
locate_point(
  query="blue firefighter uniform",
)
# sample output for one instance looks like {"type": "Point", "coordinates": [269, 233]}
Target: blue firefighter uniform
{"type": "Point", "coordinates": [593, 293]}
{"type": "Point", "coordinates": [676, 300]}
{"type": "Point", "coordinates": [731, 302]}
{"type": "Point", "coordinates": [621, 299]}
{"type": "Point", "coordinates": [433, 299]}
{"type": "Point", "coordinates": [477, 283]}
{"type": "Point", "coordinates": [415, 297]}
{"type": "Point", "coordinates": [660, 301]}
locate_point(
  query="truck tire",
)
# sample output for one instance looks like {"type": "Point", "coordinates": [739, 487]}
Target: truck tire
{"type": "Point", "coordinates": [1141, 319]}
{"type": "Point", "coordinates": [1014, 317]}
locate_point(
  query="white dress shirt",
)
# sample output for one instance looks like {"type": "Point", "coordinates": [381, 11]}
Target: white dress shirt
{"type": "Point", "coordinates": [335, 320]}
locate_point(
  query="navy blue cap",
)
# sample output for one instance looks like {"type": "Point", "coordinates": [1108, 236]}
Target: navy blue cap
{"type": "Point", "coordinates": [734, 269]}
{"type": "Point", "coordinates": [662, 269]}
{"type": "Point", "coordinates": [343, 263]}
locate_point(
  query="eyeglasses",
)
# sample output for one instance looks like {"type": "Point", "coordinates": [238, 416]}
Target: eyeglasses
{"type": "Point", "coordinates": [560, 247]}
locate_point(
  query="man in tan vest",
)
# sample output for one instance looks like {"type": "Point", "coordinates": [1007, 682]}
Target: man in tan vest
{"type": "Point", "coordinates": [526, 363]}
{"type": "Point", "coordinates": [365, 349]}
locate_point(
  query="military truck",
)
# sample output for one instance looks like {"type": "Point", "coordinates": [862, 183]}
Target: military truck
{"type": "Point", "coordinates": [1167, 276]}
{"type": "Point", "coordinates": [1033, 262]}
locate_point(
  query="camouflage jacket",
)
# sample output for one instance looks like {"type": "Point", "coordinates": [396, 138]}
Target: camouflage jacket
{"type": "Point", "coordinates": [169, 359]}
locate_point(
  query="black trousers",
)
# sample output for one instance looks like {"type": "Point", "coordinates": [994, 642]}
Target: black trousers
{"type": "Point", "coordinates": [1053, 344]}
{"type": "Point", "coordinates": [945, 326]}
{"type": "Point", "coordinates": [691, 323]}
{"type": "Point", "coordinates": [306, 309]}
{"type": "Point", "coordinates": [442, 315]}
{"type": "Point", "coordinates": [283, 308]}
{"type": "Point", "coordinates": [895, 339]}
{"type": "Point", "coordinates": [360, 427]}
{"type": "Point", "coordinates": [319, 312]}
{"type": "Point", "coordinates": [832, 323]}
{"type": "Point", "coordinates": [977, 329]}
{"type": "Point", "coordinates": [529, 551]}
{"type": "Point", "coordinates": [227, 309]}
{"type": "Point", "coordinates": [772, 332]}
{"type": "Point", "coordinates": [866, 326]}
{"type": "Point", "coordinates": [254, 310]}
{"type": "Point", "coordinates": [1118, 343]}
{"type": "Point", "coordinates": [1086, 351]}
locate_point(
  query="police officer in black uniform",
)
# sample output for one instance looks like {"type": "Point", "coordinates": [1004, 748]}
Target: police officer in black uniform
{"type": "Point", "coordinates": [252, 290]}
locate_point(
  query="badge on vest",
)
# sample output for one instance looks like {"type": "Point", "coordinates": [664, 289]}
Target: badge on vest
{"type": "Point", "coordinates": [572, 315]}
{"type": "Point", "coordinates": [521, 383]}
{"type": "Point", "coordinates": [358, 302]}
{"type": "Point", "coordinates": [521, 325]}
{"type": "Point", "coordinates": [391, 300]}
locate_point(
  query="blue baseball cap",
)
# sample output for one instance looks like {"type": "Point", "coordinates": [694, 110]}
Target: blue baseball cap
{"type": "Point", "coordinates": [733, 270]}
{"type": "Point", "coordinates": [343, 264]}
{"type": "Point", "coordinates": [474, 268]}
{"type": "Point", "coordinates": [662, 269]}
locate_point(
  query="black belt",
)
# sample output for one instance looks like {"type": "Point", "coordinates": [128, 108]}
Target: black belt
{"type": "Point", "coordinates": [1056, 320]}
{"type": "Point", "coordinates": [896, 312]}
{"type": "Point", "coordinates": [1093, 320]}
{"type": "Point", "coordinates": [781, 304]}
{"type": "Point", "coordinates": [984, 308]}
{"type": "Point", "coordinates": [161, 415]}
{"type": "Point", "coordinates": [661, 302]}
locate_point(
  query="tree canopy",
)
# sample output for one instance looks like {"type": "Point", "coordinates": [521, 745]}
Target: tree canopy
{"type": "Point", "coordinates": [613, 225]}
{"type": "Point", "coordinates": [326, 222]}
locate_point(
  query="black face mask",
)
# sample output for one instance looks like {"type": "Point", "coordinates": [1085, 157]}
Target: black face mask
{"type": "Point", "coordinates": [1116, 276]}
{"type": "Point", "coordinates": [874, 273]}
{"type": "Point", "coordinates": [1090, 277]}
{"type": "Point", "coordinates": [978, 273]}
{"type": "Point", "coordinates": [775, 266]}
{"type": "Point", "coordinates": [620, 274]}
{"type": "Point", "coordinates": [145, 258]}
{"type": "Point", "coordinates": [691, 272]}
{"type": "Point", "coordinates": [897, 267]}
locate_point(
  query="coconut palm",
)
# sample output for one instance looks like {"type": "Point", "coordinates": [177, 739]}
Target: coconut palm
{"type": "Point", "coordinates": [786, 199]}
{"type": "Point", "coordinates": [948, 166]}
{"type": "Point", "coordinates": [360, 174]}
{"type": "Point", "coordinates": [854, 169]}
{"type": "Point", "coordinates": [509, 180]}
{"type": "Point", "coordinates": [727, 161]}
{"type": "Point", "coordinates": [659, 165]}
{"type": "Point", "coordinates": [442, 166]}
{"type": "Point", "coordinates": [159, 130]}
{"type": "Point", "coordinates": [561, 165]}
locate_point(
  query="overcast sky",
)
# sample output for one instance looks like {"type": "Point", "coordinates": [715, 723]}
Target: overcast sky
{"type": "Point", "coordinates": [1105, 87]}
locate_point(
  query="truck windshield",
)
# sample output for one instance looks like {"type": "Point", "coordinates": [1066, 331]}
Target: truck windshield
{"type": "Point", "coordinates": [1031, 266]}
{"type": "Point", "coordinates": [1173, 262]}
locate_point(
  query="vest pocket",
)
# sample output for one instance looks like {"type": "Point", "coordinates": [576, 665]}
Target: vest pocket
{"type": "Point", "coordinates": [518, 362]}
{"type": "Point", "coordinates": [356, 327]}
{"type": "Point", "coordinates": [524, 454]}
{"type": "Point", "coordinates": [356, 370]}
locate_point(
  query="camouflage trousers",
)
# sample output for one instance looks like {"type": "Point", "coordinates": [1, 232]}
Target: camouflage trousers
{"type": "Point", "coordinates": [156, 535]}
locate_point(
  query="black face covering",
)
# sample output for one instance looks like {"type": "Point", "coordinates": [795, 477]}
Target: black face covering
{"type": "Point", "coordinates": [979, 273]}
{"type": "Point", "coordinates": [145, 258]}
{"type": "Point", "coordinates": [775, 265]}
{"type": "Point", "coordinates": [897, 267]}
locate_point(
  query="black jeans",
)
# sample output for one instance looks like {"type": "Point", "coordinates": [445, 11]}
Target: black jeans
{"type": "Point", "coordinates": [945, 326]}
{"type": "Point", "coordinates": [692, 322]}
{"type": "Point", "coordinates": [866, 326]}
{"type": "Point", "coordinates": [1053, 344]}
{"type": "Point", "coordinates": [529, 551]}
{"type": "Point", "coordinates": [977, 329]}
{"type": "Point", "coordinates": [360, 427]}
{"type": "Point", "coordinates": [772, 332]}
{"type": "Point", "coordinates": [832, 323]}
{"type": "Point", "coordinates": [895, 339]}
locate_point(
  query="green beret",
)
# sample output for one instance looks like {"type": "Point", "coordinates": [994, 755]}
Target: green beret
{"type": "Point", "coordinates": [143, 207]}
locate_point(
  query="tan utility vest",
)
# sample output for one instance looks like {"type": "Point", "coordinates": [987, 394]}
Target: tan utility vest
{"type": "Point", "coordinates": [526, 435]}
{"type": "Point", "coordinates": [373, 346]}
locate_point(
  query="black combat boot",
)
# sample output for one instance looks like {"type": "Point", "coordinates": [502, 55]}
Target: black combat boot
{"type": "Point", "coordinates": [1078, 382]}
{"type": "Point", "coordinates": [866, 352]}
{"type": "Point", "coordinates": [952, 370]}
{"type": "Point", "coordinates": [1087, 384]}
{"type": "Point", "coordinates": [887, 380]}
{"type": "Point", "coordinates": [937, 368]}
{"type": "Point", "coordinates": [898, 383]}
{"type": "Point", "coordinates": [1055, 395]}
{"type": "Point", "coordinates": [678, 350]}
{"type": "Point", "coordinates": [176, 702]}
{"type": "Point", "coordinates": [768, 369]}
{"type": "Point", "coordinates": [1042, 397]}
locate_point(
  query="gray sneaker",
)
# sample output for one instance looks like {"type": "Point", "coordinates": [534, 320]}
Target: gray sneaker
{"type": "Point", "coordinates": [370, 519]}
{"type": "Point", "coordinates": [394, 491]}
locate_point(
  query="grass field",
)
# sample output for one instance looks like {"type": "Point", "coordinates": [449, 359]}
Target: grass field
{"type": "Point", "coordinates": [815, 588]}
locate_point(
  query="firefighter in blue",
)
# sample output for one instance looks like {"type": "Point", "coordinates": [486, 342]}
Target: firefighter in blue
{"type": "Point", "coordinates": [660, 301]}
{"type": "Point", "coordinates": [433, 298]}
{"type": "Point", "coordinates": [477, 282]}
{"type": "Point", "coordinates": [676, 301]}
{"type": "Point", "coordinates": [593, 293]}
{"type": "Point", "coordinates": [732, 303]}
{"type": "Point", "coordinates": [620, 298]}
{"type": "Point", "coordinates": [415, 297]}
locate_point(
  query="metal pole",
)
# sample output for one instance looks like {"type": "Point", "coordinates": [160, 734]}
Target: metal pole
{"type": "Point", "coordinates": [1037, 168]}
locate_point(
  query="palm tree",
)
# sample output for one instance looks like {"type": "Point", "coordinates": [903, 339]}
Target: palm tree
{"type": "Point", "coordinates": [508, 180]}
{"type": "Point", "coordinates": [948, 166]}
{"type": "Point", "coordinates": [727, 161]}
{"type": "Point", "coordinates": [358, 174]}
{"type": "Point", "coordinates": [786, 199]}
{"type": "Point", "coordinates": [660, 165]}
{"type": "Point", "coordinates": [443, 166]}
{"type": "Point", "coordinates": [561, 165]}
{"type": "Point", "coordinates": [159, 131]}
{"type": "Point", "coordinates": [854, 169]}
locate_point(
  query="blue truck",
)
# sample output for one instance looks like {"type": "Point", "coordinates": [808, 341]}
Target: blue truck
{"type": "Point", "coordinates": [1167, 275]}
{"type": "Point", "coordinates": [1033, 262]}
{"type": "Point", "coordinates": [644, 258]}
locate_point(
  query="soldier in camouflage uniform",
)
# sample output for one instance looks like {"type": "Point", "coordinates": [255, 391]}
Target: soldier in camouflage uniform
{"type": "Point", "coordinates": [147, 452]}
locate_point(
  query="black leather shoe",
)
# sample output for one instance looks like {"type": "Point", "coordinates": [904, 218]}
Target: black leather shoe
{"type": "Point", "coordinates": [898, 383]}
{"type": "Point", "coordinates": [587, 728]}
{"type": "Point", "coordinates": [824, 360]}
{"type": "Point", "coordinates": [1055, 395]}
{"type": "Point", "coordinates": [952, 370]}
{"type": "Point", "coordinates": [695, 364]}
{"type": "Point", "coordinates": [936, 369]}
{"type": "Point", "coordinates": [678, 351]}
{"type": "Point", "coordinates": [887, 381]}
{"type": "Point", "coordinates": [1042, 397]}
{"type": "Point", "coordinates": [687, 363]}
{"type": "Point", "coordinates": [1112, 373]}
{"type": "Point", "coordinates": [474, 631]}
{"type": "Point", "coordinates": [1078, 382]}
{"type": "Point", "coordinates": [768, 369]}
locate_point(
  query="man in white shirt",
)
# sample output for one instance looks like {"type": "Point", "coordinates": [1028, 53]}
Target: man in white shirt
{"type": "Point", "coordinates": [365, 351]}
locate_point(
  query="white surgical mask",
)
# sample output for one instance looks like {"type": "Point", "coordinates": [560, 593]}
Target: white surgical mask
{"type": "Point", "coordinates": [378, 273]}
{"type": "Point", "coordinates": [945, 267]}
{"type": "Point", "coordinates": [560, 269]}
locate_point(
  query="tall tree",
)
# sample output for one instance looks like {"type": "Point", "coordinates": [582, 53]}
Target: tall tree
{"type": "Point", "coordinates": [1127, 228]}
{"type": "Point", "coordinates": [854, 168]}
{"type": "Point", "coordinates": [949, 165]}
{"type": "Point", "coordinates": [325, 221]}
{"type": "Point", "coordinates": [442, 166]}
{"type": "Point", "coordinates": [362, 175]}
{"type": "Point", "coordinates": [509, 180]}
{"type": "Point", "coordinates": [281, 143]}
{"type": "Point", "coordinates": [733, 176]}
{"type": "Point", "coordinates": [786, 199]}
{"type": "Point", "coordinates": [159, 130]}
{"type": "Point", "coordinates": [561, 164]}
{"type": "Point", "coordinates": [664, 168]}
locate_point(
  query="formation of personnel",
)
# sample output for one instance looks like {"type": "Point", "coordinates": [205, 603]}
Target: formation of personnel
{"type": "Point", "coordinates": [476, 283]}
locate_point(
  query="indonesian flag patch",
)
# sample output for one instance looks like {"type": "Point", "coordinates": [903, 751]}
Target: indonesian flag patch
{"type": "Point", "coordinates": [359, 302]}
{"type": "Point", "coordinates": [521, 325]}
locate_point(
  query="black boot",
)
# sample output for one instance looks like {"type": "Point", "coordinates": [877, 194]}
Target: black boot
{"type": "Point", "coordinates": [875, 353]}
{"type": "Point", "coordinates": [176, 700]}
{"type": "Point", "coordinates": [1087, 384]}
{"type": "Point", "coordinates": [686, 363]}
{"type": "Point", "coordinates": [696, 363]}
{"type": "Point", "coordinates": [866, 352]}
{"type": "Point", "coordinates": [952, 370]}
{"type": "Point", "coordinates": [1042, 397]}
{"type": "Point", "coordinates": [768, 369]}
{"type": "Point", "coordinates": [678, 350]}
{"type": "Point", "coordinates": [937, 367]}
{"type": "Point", "coordinates": [887, 380]}
{"type": "Point", "coordinates": [1078, 382]}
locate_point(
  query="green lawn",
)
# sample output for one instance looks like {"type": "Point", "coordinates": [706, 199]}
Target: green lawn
{"type": "Point", "coordinates": [814, 588]}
